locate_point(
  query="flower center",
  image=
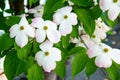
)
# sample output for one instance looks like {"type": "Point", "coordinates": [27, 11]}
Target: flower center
{"type": "Point", "coordinates": [38, 11]}
{"type": "Point", "coordinates": [93, 36]}
{"type": "Point", "coordinates": [115, 1]}
{"type": "Point", "coordinates": [21, 28]}
{"type": "Point", "coordinates": [47, 53]}
{"type": "Point", "coordinates": [106, 50]}
{"type": "Point", "coordinates": [65, 16]}
{"type": "Point", "coordinates": [45, 28]}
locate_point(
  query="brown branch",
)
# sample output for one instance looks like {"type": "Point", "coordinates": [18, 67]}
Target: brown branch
{"type": "Point", "coordinates": [17, 6]}
{"type": "Point", "coordinates": [1, 73]}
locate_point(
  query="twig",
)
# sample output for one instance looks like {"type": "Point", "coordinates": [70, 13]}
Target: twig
{"type": "Point", "coordinates": [1, 73]}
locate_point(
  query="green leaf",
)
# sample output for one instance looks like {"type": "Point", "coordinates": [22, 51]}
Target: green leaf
{"type": "Point", "coordinates": [2, 5]}
{"type": "Point", "coordinates": [113, 72]}
{"type": "Point", "coordinates": [77, 50]}
{"type": "Point", "coordinates": [35, 47]}
{"type": "Point", "coordinates": [3, 25]}
{"type": "Point", "coordinates": [32, 2]}
{"type": "Point", "coordinates": [6, 42]}
{"type": "Point", "coordinates": [96, 12]}
{"type": "Point", "coordinates": [108, 21]}
{"type": "Point", "coordinates": [10, 65]}
{"type": "Point", "coordinates": [78, 64]}
{"type": "Point", "coordinates": [23, 52]}
{"type": "Point", "coordinates": [75, 32]}
{"type": "Point", "coordinates": [60, 69]}
{"type": "Point", "coordinates": [85, 17]}
{"type": "Point", "coordinates": [65, 41]}
{"type": "Point", "coordinates": [10, 21]}
{"type": "Point", "coordinates": [50, 7]}
{"type": "Point", "coordinates": [90, 67]}
{"type": "Point", "coordinates": [35, 73]}
{"type": "Point", "coordinates": [23, 66]}
{"type": "Point", "coordinates": [9, 10]}
{"type": "Point", "coordinates": [83, 3]}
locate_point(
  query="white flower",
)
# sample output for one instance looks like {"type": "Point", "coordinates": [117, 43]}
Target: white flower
{"type": "Point", "coordinates": [100, 31]}
{"type": "Point", "coordinates": [37, 11]}
{"type": "Point", "coordinates": [66, 19]}
{"type": "Point", "coordinates": [104, 55]}
{"type": "Point", "coordinates": [101, 25]}
{"type": "Point", "coordinates": [48, 56]}
{"type": "Point", "coordinates": [21, 32]}
{"type": "Point", "coordinates": [46, 28]}
{"type": "Point", "coordinates": [113, 7]}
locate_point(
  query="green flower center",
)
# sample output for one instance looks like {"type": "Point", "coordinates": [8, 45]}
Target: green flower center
{"type": "Point", "coordinates": [106, 50]}
{"type": "Point", "coordinates": [45, 28]}
{"type": "Point", "coordinates": [47, 53]}
{"type": "Point", "coordinates": [22, 28]}
{"type": "Point", "coordinates": [115, 1]}
{"type": "Point", "coordinates": [65, 16]}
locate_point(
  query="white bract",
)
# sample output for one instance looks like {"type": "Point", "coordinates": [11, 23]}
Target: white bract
{"type": "Point", "coordinates": [104, 55]}
{"type": "Point", "coordinates": [21, 32]}
{"type": "Point", "coordinates": [113, 7]}
{"type": "Point", "coordinates": [48, 56]}
{"type": "Point", "coordinates": [46, 28]}
{"type": "Point", "coordinates": [37, 11]}
{"type": "Point", "coordinates": [65, 18]}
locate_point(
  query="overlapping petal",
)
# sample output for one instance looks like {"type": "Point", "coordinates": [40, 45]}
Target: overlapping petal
{"type": "Point", "coordinates": [103, 60]}
{"type": "Point", "coordinates": [14, 30]}
{"type": "Point", "coordinates": [105, 4]}
{"type": "Point", "coordinates": [55, 54]}
{"type": "Point", "coordinates": [40, 35]}
{"type": "Point", "coordinates": [113, 12]}
{"type": "Point", "coordinates": [45, 46]}
{"type": "Point", "coordinates": [54, 36]}
{"type": "Point", "coordinates": [65, 28]}
{"type": "Point", "coordinates": [115, 55]}
{"type": "Point", "coordinates": [30, 31]}
{"type": "Point", "coordinates": [21, 39]}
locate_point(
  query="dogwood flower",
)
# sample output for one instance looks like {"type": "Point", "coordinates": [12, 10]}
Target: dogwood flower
{"type": "Point", "coordinates": [46, 28]}
{"type": "Point", "coordinates": [101, 25]}
{"type": "Point", "coordinates": [66, 19]}
{"type": "Point", "coordinates": [113, 7]}
{"type": "Point", "coordinates": [21, 32]}
{"type": "Point", "coordinates": [100, 31]}
{"type": "Point", "coordinates": [37, 11]}
{"type": "Point", "coordinates": [104, 55]}
{"type": "Point", "coordinates": [48, 56]}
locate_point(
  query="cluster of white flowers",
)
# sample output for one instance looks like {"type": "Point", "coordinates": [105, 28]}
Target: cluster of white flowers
{"type": "Point", "coordinates": [45, 32]}
{"type": "Point", "coordinates": [48, 32]}
{"type": "Point", "coordinates": [104, 54]}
